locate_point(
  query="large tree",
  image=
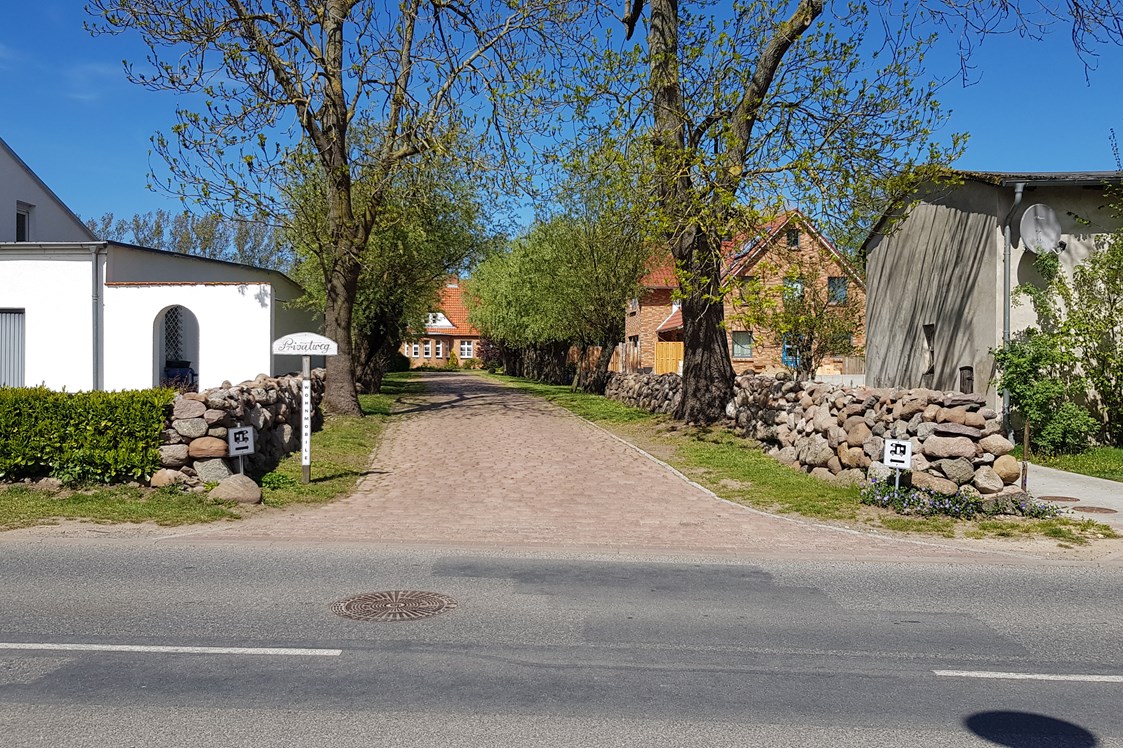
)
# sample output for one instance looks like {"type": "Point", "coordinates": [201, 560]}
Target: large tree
{"type": "Point", "coordinates": [433, 225]}
{"type": "Point", "coordinates": [263, 76]}
{"type": "Point", "coordinates": [831, 105]}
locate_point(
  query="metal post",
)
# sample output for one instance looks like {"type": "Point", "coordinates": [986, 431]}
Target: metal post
{"type": "Point", "coordinates": [897, 481]}
{"type": "Point", "coordinates": [306, 420]}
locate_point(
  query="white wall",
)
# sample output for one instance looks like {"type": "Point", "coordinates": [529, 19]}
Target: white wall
{"type": "Point", "coordinates": [235, 331]}
{"type": "Point", "coordinates": [55, 288]}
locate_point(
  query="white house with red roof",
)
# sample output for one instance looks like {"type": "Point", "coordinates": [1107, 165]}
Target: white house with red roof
{"type": "Point", "coordinates": [653, 327]}
{"type": "Point", "coordinates": [79, 313]}
{"type": "Point", "coordinates": [448, 337]}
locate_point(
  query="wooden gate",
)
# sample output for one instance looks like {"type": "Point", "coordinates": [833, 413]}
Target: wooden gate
{"type": "Point", "coordinates": [668, 356]}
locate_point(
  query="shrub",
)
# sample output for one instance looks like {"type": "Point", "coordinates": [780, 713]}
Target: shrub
{"type": "Point", "coordinates": [83, 437]}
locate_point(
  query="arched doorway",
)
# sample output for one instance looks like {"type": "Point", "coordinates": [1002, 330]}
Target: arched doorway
{"type": "Point", "coordinates": [176, 349]}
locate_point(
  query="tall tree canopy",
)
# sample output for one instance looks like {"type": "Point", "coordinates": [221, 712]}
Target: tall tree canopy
{"type": "Point", "coordinates": [828, 105]}
{"type": "Point", "coordinates": [433, 225]}
{"type": "Point", "coordinates": [566, 282]}
{"type": "Point", "coordinates": [268, 75]}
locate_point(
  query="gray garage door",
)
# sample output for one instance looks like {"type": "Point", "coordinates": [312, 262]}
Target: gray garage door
{"type": "Point", "coordinates": [11, 347]}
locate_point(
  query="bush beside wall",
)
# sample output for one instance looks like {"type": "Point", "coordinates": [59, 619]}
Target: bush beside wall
{"type": "Point", "coordinates": [81, 437]}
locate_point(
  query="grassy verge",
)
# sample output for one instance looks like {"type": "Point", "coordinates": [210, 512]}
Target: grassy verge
{"type": "Point", "coordinates": [1101, 462]}
{"type": "Point", "coordinates": [341, 451]}
{"type": "Point", "coordinates": [340, 456]}
{"type": "Point", "coordinates": [737, 469]}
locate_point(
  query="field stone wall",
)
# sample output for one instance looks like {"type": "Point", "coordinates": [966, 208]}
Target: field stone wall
{"type": "Point", "coordinates": [839, 432]}
{"type": "Point", "coordinates": [193, 447]}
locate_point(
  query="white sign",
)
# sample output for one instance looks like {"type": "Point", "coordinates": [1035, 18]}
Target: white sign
{"type": "Point", "coordinates": [306, 422]}
{"type": "Point", "coordinates": [305, 344]}
{"type": "Point", "coordinates": [898, 454]}
{"type": "Point", "coordinates": [239, 441]}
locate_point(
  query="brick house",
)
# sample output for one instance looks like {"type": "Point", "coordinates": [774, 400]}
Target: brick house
{"type": "Point", "coordinates": [447, 333]}
{"type": "Point", "coordinates": [653, 327]}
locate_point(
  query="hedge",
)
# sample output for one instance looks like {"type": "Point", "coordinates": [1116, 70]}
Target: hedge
{"type": "Point", "coordinates": [81, 437]}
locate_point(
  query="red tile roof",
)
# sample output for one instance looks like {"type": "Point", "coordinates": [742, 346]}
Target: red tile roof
{"type": "Point", "coordinates": [456, 311]}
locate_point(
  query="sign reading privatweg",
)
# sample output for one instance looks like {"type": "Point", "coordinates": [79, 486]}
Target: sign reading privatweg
{"type": "Point", "coordinates": [305, 344]}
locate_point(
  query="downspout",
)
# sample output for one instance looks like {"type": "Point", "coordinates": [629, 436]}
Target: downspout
{"type": "Point", "coordinates": [95, 276]}
{"type": "Point", "coordinates": [1018, 187]}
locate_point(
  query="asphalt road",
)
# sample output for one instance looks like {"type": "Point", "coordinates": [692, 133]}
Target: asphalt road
{"type": "Point", "coordinates": [551, 651]}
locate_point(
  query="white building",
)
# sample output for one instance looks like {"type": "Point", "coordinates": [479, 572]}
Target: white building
{"type": "Point", "coordinates": [937, 281]}
{"type": "Point", "coordinates": [79, 313]}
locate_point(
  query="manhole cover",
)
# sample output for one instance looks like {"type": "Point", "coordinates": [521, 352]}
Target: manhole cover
{"type": "Point", "coordinates": [396, 605]}
{"type": "Point", "coordinates": [1094, 509]}
{"type": "Point", "coordinates": [1058, 498]}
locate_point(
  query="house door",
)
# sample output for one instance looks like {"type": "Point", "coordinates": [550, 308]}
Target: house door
{"type": "Point", "coordinates": [11, 347]}
{"type": "Point", "coordinates": [668, 356]}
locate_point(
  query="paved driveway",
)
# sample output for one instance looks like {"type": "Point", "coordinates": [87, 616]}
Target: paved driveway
{"type": "Point", "coordinates": [476, 463]}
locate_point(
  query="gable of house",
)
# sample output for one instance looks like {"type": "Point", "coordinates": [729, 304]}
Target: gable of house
{"type": "Point", "coordinates": [653, 326]}
{"type": "Point", "coordinates": [936, 280]}
{"type": "Point", "coordinates": [29, 210]}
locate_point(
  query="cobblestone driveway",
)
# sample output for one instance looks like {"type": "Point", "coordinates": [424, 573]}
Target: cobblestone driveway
{"type": "Point", "coordinates": [475, 463]}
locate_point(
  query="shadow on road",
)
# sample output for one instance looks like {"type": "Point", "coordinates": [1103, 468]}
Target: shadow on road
{"type": "Point", "coordinates": [1026, 730]}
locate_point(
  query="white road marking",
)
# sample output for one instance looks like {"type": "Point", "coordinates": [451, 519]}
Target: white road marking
{"type": "Point", "coordinates": [1029, 676]}
{"type": "Point", "coordinates": [272, 651]}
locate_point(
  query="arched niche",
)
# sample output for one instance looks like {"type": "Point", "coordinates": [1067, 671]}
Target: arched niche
{"type": "Point", "coordinates": [175, 346]}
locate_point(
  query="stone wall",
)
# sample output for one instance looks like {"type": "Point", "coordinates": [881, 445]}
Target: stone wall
{"type": "Point", "coordinates": [838, 432]}
{"type": "Point", "coordinates": [194, 451]}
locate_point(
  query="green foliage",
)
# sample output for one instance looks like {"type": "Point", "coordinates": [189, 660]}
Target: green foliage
{"type": "Point", "coordinates": [1038, 369]}
{"type": "Point", "coordinates": [431, 226]}
{"type": "Point", "coordinates": [84, 437]}
{"type": "Point", "coordinates": [1076, 349]}
{"type": "Point", "coordinates": [566, 281]}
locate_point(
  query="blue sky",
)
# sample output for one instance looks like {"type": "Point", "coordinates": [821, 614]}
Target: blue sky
{"type": "Point", "coordinates": [72, 116]}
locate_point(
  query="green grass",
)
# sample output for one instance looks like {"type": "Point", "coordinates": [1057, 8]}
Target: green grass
{"type": "Point", "coordinates": [1069, 531]}
{"type": "Point", "coordinates": [591, 407]}
{"type": "Point", "coordinates": [340, 456]}
{"type": "Point", "coordinates": [341, 451]}
{"type": "Point", "coordinates": [737, 469]}
{"type": "Point", "coordinates": [1100, 462]}
{"type": "Point", "coordinates": [24, 506]}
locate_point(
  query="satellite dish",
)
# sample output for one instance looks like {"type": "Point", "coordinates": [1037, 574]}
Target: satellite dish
{"type": "Point", "coordinates": [1041, 231]}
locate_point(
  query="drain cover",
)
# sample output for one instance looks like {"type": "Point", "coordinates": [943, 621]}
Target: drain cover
{"type": "Point", "coordinates": [1058, 498]}
{"type": "Point", "coordinates": [396, 605]}
{"type": "Point", "coordinates": [1094, 509]}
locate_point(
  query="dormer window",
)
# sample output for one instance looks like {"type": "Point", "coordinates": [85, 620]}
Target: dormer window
{"type": "Point", "coordinates": [23, 222]}
{"type": "Point", "coordinates": [437, 319]}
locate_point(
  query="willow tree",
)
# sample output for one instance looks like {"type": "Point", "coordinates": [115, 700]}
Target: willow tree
{"type": "Point", "coordinates": [264, 76]}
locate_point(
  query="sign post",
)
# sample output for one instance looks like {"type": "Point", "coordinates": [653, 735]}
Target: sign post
{"type": "Point", "coordinates": [305, 345]}
{"type": "Point", "coordinates": [239, 441]}
{"type": "Point", "coordinates": [898, 455]}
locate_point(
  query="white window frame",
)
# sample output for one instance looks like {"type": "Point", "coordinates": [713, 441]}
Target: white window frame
{"type": "Point", "coordinates": [416, 350]}
{"type": "Point", "coordinates": [752, 341]}
{"type": "Point", "coordinates": [427, 349]}
{"type": "Point", "coordinates": [440, 348]}
{"type": "Point", "coordinates": [467, 349]}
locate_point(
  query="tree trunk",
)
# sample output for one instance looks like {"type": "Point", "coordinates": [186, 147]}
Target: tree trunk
{"type": "Point", "coordinates": [597, 380]}
{"type": "Point", "coordinates": [707, 372]}
{"type": "Point", "coordinates": [340, 394]}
